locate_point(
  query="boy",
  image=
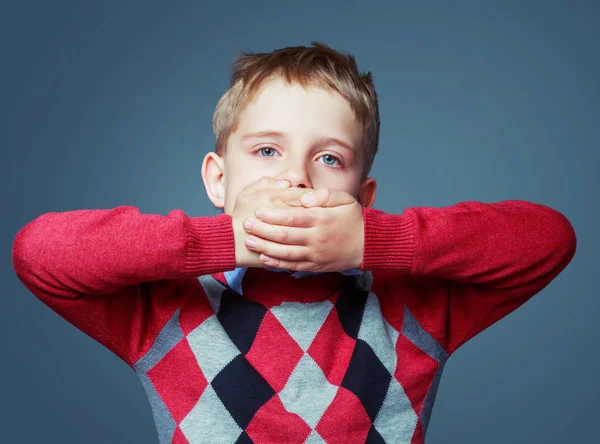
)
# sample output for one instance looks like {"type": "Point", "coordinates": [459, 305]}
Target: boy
{"type": "Point", "coordinates": [335, 323]}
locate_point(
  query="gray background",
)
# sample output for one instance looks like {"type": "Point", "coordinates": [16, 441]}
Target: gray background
{"type": "Point", "coordinates": [110, 103]}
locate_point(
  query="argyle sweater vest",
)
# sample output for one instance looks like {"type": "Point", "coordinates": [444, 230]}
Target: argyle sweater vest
{"type": "Point", "coordinates": [276, 358]}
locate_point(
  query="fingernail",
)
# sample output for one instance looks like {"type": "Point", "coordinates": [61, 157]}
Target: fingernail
{"type": "Point", "coordinates": [259, 213]}
{"type": "Point", "coordinates": [281, 183]}
{"type": "Point", "coordinates": [247, 225]}
{"type": "Point", "coordinates": [308, 198]}
{"type": "Point", "coordinates": [250, 242]}
{"type": "Point", "coordinates": [266, 258]}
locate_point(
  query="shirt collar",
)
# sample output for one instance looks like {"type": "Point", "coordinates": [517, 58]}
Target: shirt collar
{"type": "Point", "coordinates": [234, 277]}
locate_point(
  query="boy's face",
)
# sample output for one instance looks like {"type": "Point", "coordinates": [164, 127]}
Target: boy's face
{"type": "Point", "coordinates": [301, 153]}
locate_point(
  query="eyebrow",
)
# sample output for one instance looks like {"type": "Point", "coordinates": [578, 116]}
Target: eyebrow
{"type": "Point", "coordinates": [321, 141]}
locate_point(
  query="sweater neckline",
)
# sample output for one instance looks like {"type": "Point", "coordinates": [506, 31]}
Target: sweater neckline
{"type": "Point", "coordinates": [274, 287]}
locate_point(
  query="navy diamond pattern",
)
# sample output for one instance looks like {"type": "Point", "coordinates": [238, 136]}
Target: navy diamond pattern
{"type": "Point", "coordinates": [374, 437]}
{"type": "Point", "coordinates": [240, 318]}
{"type": "Point", "coordinates": [242, 390]}
{"type": "Point", "coordinates": [367, 378]}
{"type": "Point", "coordinates": [350, 307]}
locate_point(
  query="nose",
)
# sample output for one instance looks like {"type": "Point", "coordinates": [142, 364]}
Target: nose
{"type": "Point", "coordinates": [298, 176]}
{"type": "Point", "coordinates": [299, 183]}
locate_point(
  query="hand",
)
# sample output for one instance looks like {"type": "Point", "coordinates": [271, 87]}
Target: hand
{"type": "Point", "coordinates": [266, 193]}
{"type": "Point", "coordinates": [326, 235]}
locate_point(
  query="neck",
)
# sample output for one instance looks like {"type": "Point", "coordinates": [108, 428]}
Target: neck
{"type": "Point", "coordinates": [274, 287]}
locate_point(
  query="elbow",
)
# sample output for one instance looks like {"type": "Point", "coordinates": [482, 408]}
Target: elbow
{"type": "Point", "coordinates": [21, 248]}
{"type": "Point", "coordinates": [28, 249]}
{"type": "Point", "coordinates": [563, 237]}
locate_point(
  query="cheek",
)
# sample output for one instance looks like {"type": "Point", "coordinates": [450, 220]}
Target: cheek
{"type": "Point", "coordinates": [233, 188]}
{"type": "Point", "coordinates": [231, 193]}
{"type": "Point", "coordinates": [346, 184]}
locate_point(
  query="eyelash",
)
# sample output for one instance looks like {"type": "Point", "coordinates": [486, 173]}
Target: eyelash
{"type": "Point", "coordinates": [327, 154]}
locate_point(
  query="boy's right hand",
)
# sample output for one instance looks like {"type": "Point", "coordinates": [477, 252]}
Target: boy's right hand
{"type": "Point", "coordinates": [263, 192]}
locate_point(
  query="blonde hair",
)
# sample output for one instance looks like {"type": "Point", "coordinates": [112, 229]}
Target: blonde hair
{"type": "Point", "coordinates": [318, 65]}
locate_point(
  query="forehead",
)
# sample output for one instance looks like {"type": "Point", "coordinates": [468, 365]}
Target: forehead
{"type": "Point", "coordinates": [291, 108]}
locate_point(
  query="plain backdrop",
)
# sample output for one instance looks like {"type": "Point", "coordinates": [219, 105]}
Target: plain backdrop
{"type": "Point", "coordinates": [110, 103]}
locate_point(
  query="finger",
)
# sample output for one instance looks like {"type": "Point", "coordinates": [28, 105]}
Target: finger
{"type": "Point", "coordinates": [277, 233]}
{"type": "Point", "coordinates": [289, 217]}
{"type": "Point", "coordinates": [274, 249]}
{"type": "Point", "coordinates": [286, 198]}
{"type": "Point", "coordinates": [287, 265]}
{"type": "Point", "coordinates": [289, 197]}
{"type": "Point", "coordinates": [326, 197]}
{"type": "Point", "coordinates": [266, 182]}
{"type": "Point", "coordinates": [283, 195]}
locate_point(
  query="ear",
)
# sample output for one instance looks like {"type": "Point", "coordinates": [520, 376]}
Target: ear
{"type": "Point", "coordinates": [213, 175]}
{"type": "Point", "coordinates": [366, 194]}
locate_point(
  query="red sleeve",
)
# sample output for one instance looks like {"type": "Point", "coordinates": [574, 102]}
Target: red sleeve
{"type": "Point", "coordinates": [98, 268]}
{"type": "Point", "coordinates": [493, 257]}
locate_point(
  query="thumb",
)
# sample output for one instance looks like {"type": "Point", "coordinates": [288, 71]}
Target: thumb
{"type": "Point", "coordinates": [265, 182]}
{"type": "Point", "coordinates": [326, 197]}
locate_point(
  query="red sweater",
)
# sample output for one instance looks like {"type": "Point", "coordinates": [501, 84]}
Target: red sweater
{"type": "Point", "coordinates": [322, 358]}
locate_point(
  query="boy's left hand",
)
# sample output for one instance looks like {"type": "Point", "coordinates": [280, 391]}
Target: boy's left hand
{"type": "Point", "coordinates": [325, 235]}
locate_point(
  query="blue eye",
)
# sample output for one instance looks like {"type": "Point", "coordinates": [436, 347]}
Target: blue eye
{"type": "Point", "coordinates": [267, 148]}
{"type": "Point", "coordinates": [329, 157]}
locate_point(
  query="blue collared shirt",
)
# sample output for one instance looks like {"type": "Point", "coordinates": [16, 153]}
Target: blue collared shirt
{"type": "Point", "coordinates": [234, 277]}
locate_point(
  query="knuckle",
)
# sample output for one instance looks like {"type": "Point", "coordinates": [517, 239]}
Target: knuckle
{"type": "Point", "coordinates": [318, 257]}
{"type": "Point", "coordinates": [283, 235]}
{"type": "Point", "coordinates": [286, 254]}
{"type": "Point", "coordinates": [291, 219]}
{"type": "Point", "coordinates": [310, 257]}
{"type": "Point", "coordinates": [326, 244]}
{"type": "Point", "coordinates": [257, 230]}
{"type": "Point", "coordinates": [243, 197]}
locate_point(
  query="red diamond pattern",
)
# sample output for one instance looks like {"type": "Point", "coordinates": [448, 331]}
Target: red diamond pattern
{"type": "Point", "coordinates": [415, 372]}
{"type": "Point", "coordinates": [179, 437]}
{"type": "Point", "coordinates": [418, 437]}
{"type": "Point", "coordinates": [180, 394]}
{"type": "Point", "coordinates": [274, 424]}
{"type": "Point", "coordinates": [274, 353]}
{"type": "Point", "coordinates": [346, 413]}
{"type": "Point", "coordinates": [332, 349]}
